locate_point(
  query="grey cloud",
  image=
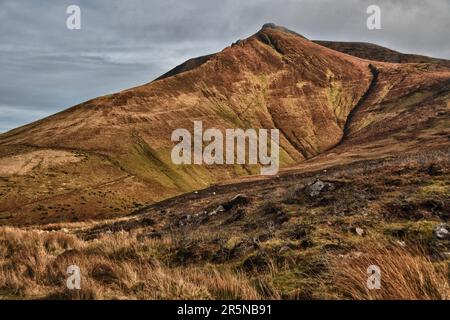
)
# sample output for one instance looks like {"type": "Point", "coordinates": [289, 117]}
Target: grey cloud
{"type": "Point", "coordinates": [47, 68]}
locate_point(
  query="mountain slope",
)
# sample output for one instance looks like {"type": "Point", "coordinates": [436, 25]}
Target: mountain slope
{"type": "Point", "coordinates": [375, 52]}
{"type": "Point", "coordinates": [273, 79]}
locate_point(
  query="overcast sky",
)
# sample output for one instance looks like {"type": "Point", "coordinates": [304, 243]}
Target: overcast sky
{"type": "Point", "coordinates": [45, 68]}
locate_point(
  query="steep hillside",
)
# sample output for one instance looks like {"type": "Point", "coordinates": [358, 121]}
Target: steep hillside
{"type": "Point", "coordinates": [111, 155]}
{"type": "Point", "coordinates": [275, 78]}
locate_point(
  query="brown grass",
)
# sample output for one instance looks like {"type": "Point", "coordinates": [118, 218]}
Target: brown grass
{"type": "Point", "coordinates": [33, 265]}
{"type": "Point", "coordinates": [406, 274]}
{"type": "Point", "coordinates": [313, 253]}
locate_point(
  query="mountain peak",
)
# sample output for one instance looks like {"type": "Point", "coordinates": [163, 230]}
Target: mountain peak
{"type": "Point", "coordinates": [269, 25]}
{"type": "Point", "coordinates": [273, 26]}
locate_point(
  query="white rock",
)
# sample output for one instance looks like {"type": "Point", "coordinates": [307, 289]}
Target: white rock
{"type": "Point", "coordinates": [359, 231]}
{"type": "Point", "coordinates": [441, 231]}
{"type": "Point", "coordinates": [401, 243]}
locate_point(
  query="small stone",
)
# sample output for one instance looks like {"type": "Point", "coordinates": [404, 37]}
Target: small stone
{"type": "Point", "coordinates": [315, 188]}
{"type": "Point", "coordinates": [359, 231]}
{"type": "Point", "coordinates": [217, 210]}
{"type": "Point", "coordinates": [284, 249]}
{"type": "Point", "coordinates": [441, 231]}
{"type": "Point", "coordinates": [318, 186]}
{"type": "Point", "coordinates": [401, 243]}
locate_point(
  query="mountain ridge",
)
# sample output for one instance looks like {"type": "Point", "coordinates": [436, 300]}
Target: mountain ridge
{"type": "Point", "coordinates": [276, 78]}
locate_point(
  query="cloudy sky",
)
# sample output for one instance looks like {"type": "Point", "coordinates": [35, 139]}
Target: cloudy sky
{"type": "Point", "coordinates": [45, 68]}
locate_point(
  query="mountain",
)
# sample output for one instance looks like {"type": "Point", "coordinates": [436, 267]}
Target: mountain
{"type": "Point", "coordinates": [334, 103]}
{"type": "Point", "coordinates": [375, 52]}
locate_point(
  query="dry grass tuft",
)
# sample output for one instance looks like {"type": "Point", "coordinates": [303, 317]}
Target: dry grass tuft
{"type": "Point", "coordinates": [406, 274]}
{"type": "Point", "coordinates": [33, 264]}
